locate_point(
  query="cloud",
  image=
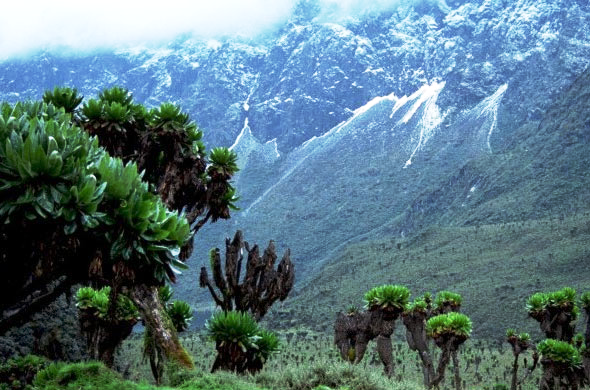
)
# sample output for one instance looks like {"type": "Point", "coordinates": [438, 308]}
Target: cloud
{"type": "Point", "coordinates": [64, 26]}
{"type": "Point", "coordinates": [30, 25]}
{"type": "Point", "coordinates": [339, 9]}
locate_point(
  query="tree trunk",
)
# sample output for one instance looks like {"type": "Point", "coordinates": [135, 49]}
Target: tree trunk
{"type": "Point", "coordinates": [148, 303]}
{"type": "Point", "coordinates": [456, 370]}
{"type": "Point", "coordinates": [385, 350]}
{"type": "Point", "coordinates": [418, 341]}
{"type": "Point", "coordinates": [103, 335]}
{"type": "Point", "coordinates": [443, 362]}
{"type": "Point", "coordinates": [514, 383]}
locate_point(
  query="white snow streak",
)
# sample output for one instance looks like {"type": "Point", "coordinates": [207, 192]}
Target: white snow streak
{"type": "Point", "coordinates": [241, 135]}
{"type": "Point", "coordinates": [431, 118]}
{"type": "Point", "coordinates": [490, 107]}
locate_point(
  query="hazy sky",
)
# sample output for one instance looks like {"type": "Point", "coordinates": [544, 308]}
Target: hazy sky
{"type": "Point", "coordinates": [29, 25]}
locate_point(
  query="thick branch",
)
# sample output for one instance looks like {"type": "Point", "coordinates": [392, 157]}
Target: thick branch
{"type": "Point", "coordinates": [20, 313]}
{"type": "Point", "coordinates": [147, 300]}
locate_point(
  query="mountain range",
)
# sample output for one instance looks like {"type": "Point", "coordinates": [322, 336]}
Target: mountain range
{"type": "Point", "coordinates": [378, 135]}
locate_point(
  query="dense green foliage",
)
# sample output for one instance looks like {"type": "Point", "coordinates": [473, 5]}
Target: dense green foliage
{"type": "Point", "coordinates": [559, 351]}
{"type": "Point", "coordinates": [564, 299]}
{"type": "Point", "coordinates": [53, 171]}
{"type": "Point", "coordinates": [387, 295]}
{"type": "Point", "coordinates": [98, 301]}
{"type": "Point", "coordinates": [456, 324]}
{"type": "Point", "coordinates": [447, 298]}
{"type": "Point", "coordinates": [18, 373]}
{"type": "Point", "coordinates": [521, 337]}
{"type": "Point", "coordinates": [234, 327]}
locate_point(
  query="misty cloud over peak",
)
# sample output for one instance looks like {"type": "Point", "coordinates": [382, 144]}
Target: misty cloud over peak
{"type": "Point", "coordinates": [66, 26]}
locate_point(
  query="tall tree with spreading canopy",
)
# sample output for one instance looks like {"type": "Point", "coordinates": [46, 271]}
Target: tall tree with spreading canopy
{"type": "Point", "coordinates": [111, 194]}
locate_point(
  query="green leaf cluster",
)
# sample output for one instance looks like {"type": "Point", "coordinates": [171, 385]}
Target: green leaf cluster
{"type": "Point", "coordinates": [420, 304]}
{"type": "Point", "coordinates": [560, 352]}
{"type": "Point", "coordinates": [181, 315]}
{"type": "Point", "coordinates": [522, 337]}
{"type": "Point", "coordinates": [45, 168]}
{"type": "Point", "coordinates": [448, 298]}
{"type": "Point", "coordinates": [564, 299]}
{"type": "Point", "coordinates": [387, 296]}
{"type": "Point", "coordinates": [19, 372]}
{"type": "Point", "coordinates": [115, 106]}
{"type": "Point", "coordinates": [234, 327]}
{"type": "Point", "coordinates": [453, 323]}
{"type": "Point", "coordinates": [51, 170]}
{"type": "Point", "coordinates": [223, 161]}
{"type": "Point", "coordinates": [98, 300]}
{"type": "Point", "coordinates": [352, 309]}
{"type": "Point", "coordinates": [63, 97]}
{"type": "Point", "coordinates": [585, 300]}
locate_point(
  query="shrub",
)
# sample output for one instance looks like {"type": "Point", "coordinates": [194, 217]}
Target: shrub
{"type": "Point", "coordinates": [241, 344]}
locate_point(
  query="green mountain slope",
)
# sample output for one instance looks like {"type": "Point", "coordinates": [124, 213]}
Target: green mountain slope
{"type": "Point", "coordinates": [497, 230]}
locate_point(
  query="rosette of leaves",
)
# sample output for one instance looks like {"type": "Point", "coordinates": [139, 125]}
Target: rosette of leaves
{"type": "Point", "coordinates": [93, 109]}
{"type": "Point", "coordinates": [585, 300]}
{"type": "Point", "coordinates": [564, 299]}
{"type": "Point", "coordinates": [449, 324]}
{"type": "Point", "coordinates": [267, 344]}
{"type": "Point", "coordinates": [116, 120]}
{"type": "Point", "coordinates": [169, 117]}
{"type": "Point", "coordinates": [104, 327]}
{"type": "Point", "coordinates": [555, 311]}
{"type": "Point", "coordinates": [224, 162]}
{"type": "Point", "coordinates": [352, 310]}
{"type": "Point", "coordinates": [180, 314]}
{"type": "Point", "coordinates": [88, 298]}
{"type": "Point", "coordinates": [233, 327]}
{"type": "Point", "coordinates": [116, 95]}
{"type": "Point", "coordinates": [562, 364]}
{"type": "Point", "coordinates": [147, 229]}
{"type": "Point", "coordinates": [536, 304]}
{"type": "Point", "coordinates": [558, 351]}
{"type": "Point", "coordinates": [43, 172]}
{"type": "Point", "coordinates": [578, 341]}
{"type": "Point", "coordinates": [64, 97]}
{"type": "Point", "coordinates": [241, 344]}
{"type": "Point", "coordinates": [522, 337]}
{"type": "Point", "coordinates": [421, 304]}
{"type": "Point", "coordinates": [387, 296]}
{"type": "Point", "coordinates": [447, 301]}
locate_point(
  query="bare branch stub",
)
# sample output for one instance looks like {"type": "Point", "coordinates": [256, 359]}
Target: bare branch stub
{"type": "Point", "coordinates": [261, 284]}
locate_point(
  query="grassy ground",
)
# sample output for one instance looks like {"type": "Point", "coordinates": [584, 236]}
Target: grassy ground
{"type": "Point", "coordinates": [308, 360]}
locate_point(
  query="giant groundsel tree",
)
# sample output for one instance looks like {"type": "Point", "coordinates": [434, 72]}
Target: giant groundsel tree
{"type": "Point", "coordinates": [76, 208]}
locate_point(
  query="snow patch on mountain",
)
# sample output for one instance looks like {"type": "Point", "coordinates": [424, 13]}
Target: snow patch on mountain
{"type": "Point", "coordinates": [246, 144]}
{"type": "Point", "coordinates": [431, 117]}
